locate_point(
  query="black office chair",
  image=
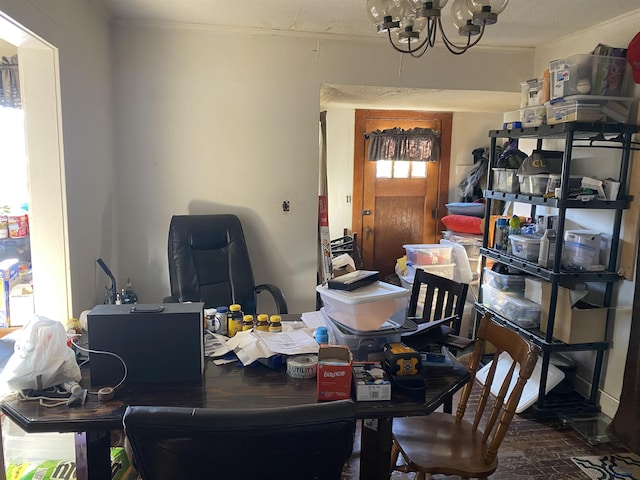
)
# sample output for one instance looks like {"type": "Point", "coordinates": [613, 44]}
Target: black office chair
{"type": "Point", "coordinates": [303, 442]}
{"type": "Point", "coordinates": [209, 262]}
{"type": "Point", "coordinates": [436, 298]}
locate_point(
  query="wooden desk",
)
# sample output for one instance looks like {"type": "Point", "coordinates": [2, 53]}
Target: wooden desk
{"type": "Point", "coordinates": [227, 386]}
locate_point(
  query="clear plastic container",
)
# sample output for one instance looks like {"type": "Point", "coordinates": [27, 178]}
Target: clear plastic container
{"type": "Point", "coordinates": [365, 308]}
{"type": "Point", "coordinates": [514, 307]}
{"type": "Point", "coordinates": [504, 282]}
{"type": "Point", "coordinates": [590, 108]}
{"type": "Point", "coordinates": [428, 254]}
{"type": "Point", "coordinates": [364, 348]}
{"type": "Point", "coordinates": [505, 180]}
{"type": "Point", "coordinates": [533, 184]}
{"type": "Point", "coordinates": [533, 116]}
{"type": "Point", "coordinates": [581, 248]}
{"type": "Point", "coordinates": [589, 75]}
{"type": "Point", "coordinates": [525, 246]}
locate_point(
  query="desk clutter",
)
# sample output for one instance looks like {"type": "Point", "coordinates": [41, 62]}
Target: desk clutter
{"type": "Point", "coordinates": [352, 347]}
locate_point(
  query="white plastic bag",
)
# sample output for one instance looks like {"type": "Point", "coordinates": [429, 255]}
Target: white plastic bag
{"type": "Point", "coordinates": [41, 358]}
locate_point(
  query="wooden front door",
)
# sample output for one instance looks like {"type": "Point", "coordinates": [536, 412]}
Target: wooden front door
{"type": "Point", "coordinates": [398, 203]}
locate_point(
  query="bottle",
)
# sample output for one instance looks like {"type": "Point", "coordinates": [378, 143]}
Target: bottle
{"type": "Point", "coordinates": [247, 322]}
{"type": "Point", "coordinates": [210, 321]}
{"type": "Point", "coordinates": [221, 317]}
{"type": "Point", "coordinates": [274, 323]}
{"type": "Point", "coordinates": [263, 322]}
{"type": "Point", "coordinates": [500, 235]}
{"type": "Point", "coordinates": [234, 319]}
{"type": "Point", "coordinates": [547, 249]}
{"type": "Point", "coordinates": [514, 229]}
{"type": "Point", "coordinates": [322, 335]}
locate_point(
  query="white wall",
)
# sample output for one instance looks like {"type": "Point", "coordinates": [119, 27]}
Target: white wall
{"type": "Point", "coordinates": [211, 121]}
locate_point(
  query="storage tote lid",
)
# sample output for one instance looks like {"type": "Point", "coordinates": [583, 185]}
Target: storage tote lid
{"type": "Point", "coordinates": [526, 238]}
{"type": "Point", "coordinates": [375, 292]}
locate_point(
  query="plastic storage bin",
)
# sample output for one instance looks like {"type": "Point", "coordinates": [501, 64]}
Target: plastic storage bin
{"type": "Point", "coordinates": [471, 208]}
{"type": "Point", "coordinates": [505, 180]}
{"type": "Point", "coordinates": [365, 308]}
{"type": "Point", "coordinates": [513, 307]}
{"type": "Point", "coordinates": [532, 92]}
{"type": "Point", "coordinates": [589, 75]}
{"type": "Point", "coordinates": [581, 248]}
{"type": "Point", "coordinates": [446, 270]}
{"type": "Point", "coordinates": [525, 246]}
{"type": "Point", "coordinates": [504, 282]}
{"type": "Point", "coordinates": [533, 116]}
{"type": "Point", "coordinates": [469, 241]}
{"type": "Point", "coordinates": [590, 108]}
{"type": "Point", "coordinates": [428, 254]}
{"type": "Point", "coordinates": [366, 347]}
{"type": "Point", "coordinates": [533, 184]}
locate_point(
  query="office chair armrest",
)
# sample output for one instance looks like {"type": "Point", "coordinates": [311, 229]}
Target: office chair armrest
{"type": "Point", "coordinates": [170, 299]}
{"type": "Point", "coordinates": [276, 293]}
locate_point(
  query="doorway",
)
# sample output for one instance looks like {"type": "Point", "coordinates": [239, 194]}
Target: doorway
{"type": "Point", "coordinates": [398, 202]}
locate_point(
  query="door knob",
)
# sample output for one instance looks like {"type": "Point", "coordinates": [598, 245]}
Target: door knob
{"type": "Point", "coordinates": [367, 231]}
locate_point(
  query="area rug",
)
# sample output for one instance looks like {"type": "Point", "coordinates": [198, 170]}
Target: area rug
{"type": "Point", "coordinates": [610, 467]}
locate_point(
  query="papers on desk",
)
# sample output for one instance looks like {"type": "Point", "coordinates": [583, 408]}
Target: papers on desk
{"type": "Point", "coordinates": [251, 345]}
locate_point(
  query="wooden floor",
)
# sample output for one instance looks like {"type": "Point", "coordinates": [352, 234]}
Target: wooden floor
{"type": "Point", "coordinates": [533, 450]}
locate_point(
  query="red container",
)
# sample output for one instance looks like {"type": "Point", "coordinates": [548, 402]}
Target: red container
{"type": "Point", "coordinates": [18, 224]}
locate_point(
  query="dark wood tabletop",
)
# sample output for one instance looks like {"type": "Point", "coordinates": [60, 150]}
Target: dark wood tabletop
{"type": "Point", "coordinates": [233, 386]}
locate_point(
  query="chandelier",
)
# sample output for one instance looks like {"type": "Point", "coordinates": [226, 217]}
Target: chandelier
{"type": "Point", "coordinates": [412, 25]}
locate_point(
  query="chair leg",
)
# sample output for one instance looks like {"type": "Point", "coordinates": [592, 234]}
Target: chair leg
{"type": "Point", "coordinates": [395, 452]}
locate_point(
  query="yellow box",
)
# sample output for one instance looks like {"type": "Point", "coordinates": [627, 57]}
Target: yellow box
{"type": "Point", "coordinates": [580, 323]}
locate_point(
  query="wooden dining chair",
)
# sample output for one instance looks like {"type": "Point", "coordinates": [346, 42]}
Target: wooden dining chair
{"type": "Point", "coordinates": [443, 443]}
{"type": "Point", "coordinates": [434, 297]}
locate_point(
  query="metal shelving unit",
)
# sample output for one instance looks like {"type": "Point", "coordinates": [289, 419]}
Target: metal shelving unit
{"type": "Point", "coordinates": [574, 134]}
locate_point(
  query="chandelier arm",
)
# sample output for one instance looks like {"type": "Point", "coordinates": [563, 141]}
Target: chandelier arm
{"type": "Point", "coordinates": [460, 49]}
{"type": "Point", "coordinates": [429, 41]}
{"type": "Point", "coordinates": [409, 50]}
{"type": "Point", "coordinates": [432, 31]}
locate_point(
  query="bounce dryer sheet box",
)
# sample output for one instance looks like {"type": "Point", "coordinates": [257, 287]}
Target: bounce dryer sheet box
{"type": "Point", "coordinates": [334, 372]}
{"type": "Point", "coordinates": [371, 381]}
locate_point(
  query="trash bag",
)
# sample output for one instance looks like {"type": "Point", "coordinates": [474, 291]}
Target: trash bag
{"type": "Point", "coordinates": [470, 187]}
{"type": "Point", "coordinates": [41, 358]}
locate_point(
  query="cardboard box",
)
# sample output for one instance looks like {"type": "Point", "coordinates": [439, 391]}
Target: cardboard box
{"type": "Point", "coordinates": [533, 290]}
{"type": "Point", "coordinates": [334, 372]}
{"type": "Point", "coordinates": [576, 321]}
{"type": "Point", "coordinates": [371, 382]}
{"type": "Point", "coordinates": [8, 278]}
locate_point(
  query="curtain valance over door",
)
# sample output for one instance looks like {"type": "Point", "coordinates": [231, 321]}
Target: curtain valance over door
{"type": "Point", "coordinates": [416, 144]}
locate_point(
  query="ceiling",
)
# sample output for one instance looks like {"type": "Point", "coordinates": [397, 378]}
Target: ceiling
{"type": "Point", "coordinates": [524, 23]}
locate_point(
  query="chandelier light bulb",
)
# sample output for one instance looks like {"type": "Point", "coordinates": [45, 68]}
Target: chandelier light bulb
{"type": "Point", "coordinates": [386, 14]}
{"type": "Point", "coordinates": [485, 12]}
{"type": "Point", "coordinates": [462, 18]}
{"type": "Point", "coordinates": [496, 6]}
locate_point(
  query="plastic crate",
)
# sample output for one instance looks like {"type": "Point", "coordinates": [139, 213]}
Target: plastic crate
{"type": "Point", "coordinates": [428, 254]}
